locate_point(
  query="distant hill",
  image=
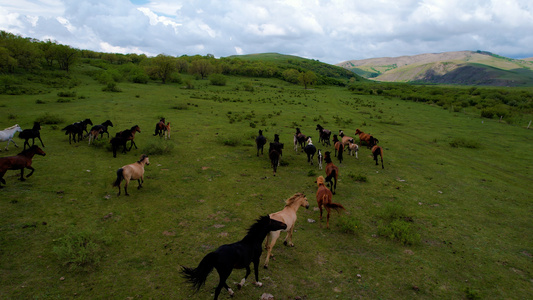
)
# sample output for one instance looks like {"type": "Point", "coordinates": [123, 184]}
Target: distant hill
{"type": "Point", "coordinates": [461, 67]}
{"type": "Point", "coordinates": [284, 62]}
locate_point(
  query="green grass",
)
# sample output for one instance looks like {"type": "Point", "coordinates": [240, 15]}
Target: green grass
{"type": "Point", "coordinates": [439, 222]}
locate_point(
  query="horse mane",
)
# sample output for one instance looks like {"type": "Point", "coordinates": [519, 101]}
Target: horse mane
{"type": "Point", "coordinates": [142, 158]}
{"type": "Point", "coordinates": [257, 226]}
{"type": "Point", "coordinates": [292, 199]}
{"type": "Point", "coordinates": [16, 125]}
{"type": "Point", "coordinates": [320, 181]}
{"type": "Point", "coordinates": [133, 127]}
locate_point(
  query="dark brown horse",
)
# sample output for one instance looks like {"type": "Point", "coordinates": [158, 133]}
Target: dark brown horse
{"type": "Point", "coordinates": [122, 137]}
{"type": "Point", "coordinates": [332, 172]}
{"type": "Point", "coordinates": [160, 127]}
{"type": "Point", "coordinates": [377, 150]}
{"type": "Point", "coordinates": [323, 135]}
{"type": "Point", "coordinates": [19, 162]}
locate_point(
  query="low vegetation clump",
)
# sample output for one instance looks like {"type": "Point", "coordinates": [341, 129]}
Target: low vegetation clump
{"type": "Point", "coordinates": [158, 147]}
{"type": "Point", "coordinates": [348, 224]}
{"type": "Point", "coordinates": [464, 143]}
{"type": "Point", "coordinates": [80, 251]}
{"type": "Point", "coordinates": [396, 225]}
{"type": "Point", "coordinates": [49, 118]}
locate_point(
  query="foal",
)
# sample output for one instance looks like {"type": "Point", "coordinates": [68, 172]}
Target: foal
{"type": "Point", "coordinates": [133, 171]}
{"type": "Point", "coordinates": [287, 216]}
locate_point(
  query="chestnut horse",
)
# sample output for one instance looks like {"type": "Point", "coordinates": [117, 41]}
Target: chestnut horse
{"type": "Point", "coordinates": [299, 139]}
{"type": "Point", "coordinates": [367, 138]}
{"type": "Point", "coordinates": [19, 162]}
{"type": "Point", "coordinates": [339, 149]}
{"type": "Point", "coordinates": [332, 172]}
{"type": "Point", "coordinates": [377, 150]}
{"type": "Point", "coordinates": [287, 216]}
{"type": "Point", "coordinates": [134, 171]}
{"type": "Point", "coordinates": [323, 198]}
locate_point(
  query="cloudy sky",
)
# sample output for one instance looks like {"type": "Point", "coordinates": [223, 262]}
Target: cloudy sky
{"type": "Point", "coordinates": [331, 31]}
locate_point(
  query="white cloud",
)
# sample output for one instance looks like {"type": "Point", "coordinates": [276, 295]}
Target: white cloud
{"type": "Point", "coordinates": [327, 30]}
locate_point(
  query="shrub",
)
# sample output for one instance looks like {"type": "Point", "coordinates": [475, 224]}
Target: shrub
{"type": "Point", "coordinates": [67, 94]}
{"type": "Point", "coordinates": [111, 87]}
{"type": "Point", "coordinates": [464, 143]}
{"type": "Point", "coordinates": [218, 79]}
{"type": "Point", "coordinates": [39, 101]}
{"type": "Point", "coordinates": [49, 119]}
{"type": "Point", "coordinates": [229, 141]}
{"type": "Point", "coordinates": [358, 177]}
{"type": "Point", "coordinates": [158, 147]}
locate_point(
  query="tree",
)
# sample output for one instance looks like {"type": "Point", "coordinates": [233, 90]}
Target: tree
{"type": "Point", "coordinates": [201, 67]}
{"type": "Point", "coordinates": [307, 78]}
{"type": "Point", "coordinates": [65, 56]}
{"type": "Point", "coordinates": [162, 67]}
{"type": "Point", "coordinates": [291, 75]}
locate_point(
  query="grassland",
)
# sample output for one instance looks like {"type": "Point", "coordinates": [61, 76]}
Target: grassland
{"type": "Point", "coordinates": [449, 217]}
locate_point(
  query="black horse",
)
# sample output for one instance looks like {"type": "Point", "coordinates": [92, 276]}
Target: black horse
{"type": "Point", "coordinates": [323, 135]}
{"type": "Point", "coordinates": [310, 150]}
{"type": "Point", "coordinates": [122, 137]}
{"type": "Point", "coordinates": [238, 255]}
{"type": "Point", "coordinates": [33, 133]}
{"type": "Point", "coordinates": [275, 151]}
{"type": "Point", "coordinates": [77, 129]}
{"type": "Point", "coordinates": [260, 142]}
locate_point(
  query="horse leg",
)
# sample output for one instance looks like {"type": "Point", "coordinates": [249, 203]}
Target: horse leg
{"type": "Point", "coordinates": [140, 181]}
{"type": "Point", "coordinates": [223, 276]}
{"type": "Point", "coordinates": [32, 170]}
{"type": "Point", "coordinates": [256, 270]}
{"type": "Point", "coordinates": [241, 284]}
{"type": "Point", "coordinates": [288, 237]}
{"type": "Point", "coordinates": [127, 181]}
{"type": "Point", "coordinates": [22, 175]}
{"type": "Point", "coordinates": [272, 237]}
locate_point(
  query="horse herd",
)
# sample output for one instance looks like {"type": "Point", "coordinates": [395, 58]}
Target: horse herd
{"type": "Point", "coordinates": [238, 255]}
{"type": "Point", "coordinates": [76, 132]}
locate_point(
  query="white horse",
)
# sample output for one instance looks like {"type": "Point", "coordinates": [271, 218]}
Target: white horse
{"type": "Point", "coordinates": [8, 133]}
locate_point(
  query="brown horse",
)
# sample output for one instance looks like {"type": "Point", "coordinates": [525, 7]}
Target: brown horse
{"type": "Point", "coordinates": [339, 149]}
{"type": "Point", "coordinates": [129, 135]}
{"type": "Point", "coordinates": [287, 216]}
{"type": "Point", "coordinates": [377, 150]}
{"type": "Point", "coordinates": [19, 162]}
{"type": "Point", "coordinates": [134, 171]}
{"type": "Point", "coordinates": [323, 198]}
{"type": "Point", "coordinates": [299, 138]}
{"type": "Point", "coordinates": [367, 138]}
{"type": "Point", "coordinates": [160, 127]}
{"type": "Point", "coordinates": [332, 172]}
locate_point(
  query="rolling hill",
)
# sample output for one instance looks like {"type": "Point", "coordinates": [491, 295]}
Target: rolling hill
{"type": "Point", "coordinates": [460, 67]}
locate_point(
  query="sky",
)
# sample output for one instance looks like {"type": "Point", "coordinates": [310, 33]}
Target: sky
{"type": "Point", "coordinates": [330, 31]}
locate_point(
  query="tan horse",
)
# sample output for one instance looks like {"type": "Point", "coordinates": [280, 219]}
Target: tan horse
{"type": "Point", "coordinates": [287, 216]}
{"type": "Point", "coordinates": [167, 131]}
{"type": "Point", "coordinates": [133, 171]}
{"type": "Point", "coordinates": [323, 198]}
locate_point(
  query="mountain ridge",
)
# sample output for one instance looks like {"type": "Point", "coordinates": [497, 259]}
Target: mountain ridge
{"type": "Point", "coordinates": [458, 67]}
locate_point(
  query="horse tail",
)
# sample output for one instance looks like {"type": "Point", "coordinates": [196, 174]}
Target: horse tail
{"type": "Point", "coordinates": [336, 206]}
{"type": "Point", "coordinates": [198, 276]}
{"type": "Point", "coordinates": [339, 155]}
{"type": "Point", "coordinates": [120, 177]}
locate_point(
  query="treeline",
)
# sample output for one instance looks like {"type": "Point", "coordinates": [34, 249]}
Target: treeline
{"type": "Point", "coordinates": [492, 102]}
{"type": "Point", "coordinates": [19, 55]}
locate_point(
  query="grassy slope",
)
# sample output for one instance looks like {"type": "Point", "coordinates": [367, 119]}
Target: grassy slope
{"type": "Point", "coordinates": [470, 206]}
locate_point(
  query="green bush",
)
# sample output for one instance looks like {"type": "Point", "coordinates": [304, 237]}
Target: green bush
{"type": "Point", "coordinates": [464, 143]}
{"type": "Point", "coordinates": [399, 230]}
{"type": "Point", "coordinates": [218, 79]}
{"type": "Point", "coordinates": [158, 147]}
{"type": "Point", "coordinates": [111, 87]}
{"type": "Point", "coordinates": [67, 94]}
{"type": "Point", "coordinates": [49, 119]}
